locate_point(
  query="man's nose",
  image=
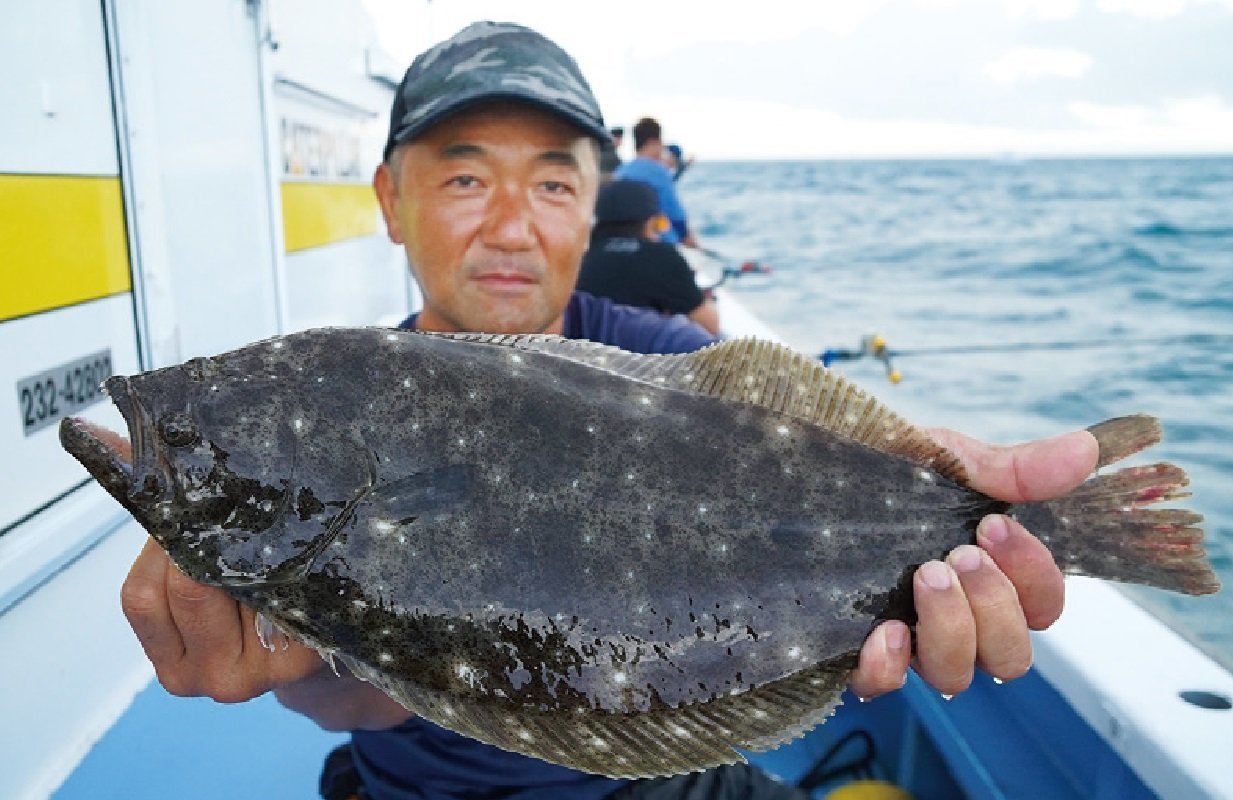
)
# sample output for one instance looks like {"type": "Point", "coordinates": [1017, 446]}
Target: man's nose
{"type": "Point", "coordinates": [508, 223]}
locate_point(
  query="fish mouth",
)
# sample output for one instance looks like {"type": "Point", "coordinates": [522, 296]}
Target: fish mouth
{"type": "Point", "coordinates": [105, 454]}
{"type": "Point", "coordinates": [126, 467]}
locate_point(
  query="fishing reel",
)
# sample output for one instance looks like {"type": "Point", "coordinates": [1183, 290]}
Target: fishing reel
{"type": "Point", "coordinates": [872, 346]}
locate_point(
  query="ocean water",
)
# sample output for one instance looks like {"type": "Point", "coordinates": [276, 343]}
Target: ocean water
{"type": "Point", "coordinates": [1117, 275]}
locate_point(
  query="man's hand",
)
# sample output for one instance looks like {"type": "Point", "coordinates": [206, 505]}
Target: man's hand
{"type": "Point", "coordinates": [200, 641]}
{"type": "Point", "coordinates": [975, 608]}
{"type": "Point", "coordinates": [204, 644]}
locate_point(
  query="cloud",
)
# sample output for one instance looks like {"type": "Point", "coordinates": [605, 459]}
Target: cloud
{"type": "Point", "coordinates": [1153, 9]}
{"type": "Point", "coordinates": [1052, 10]}
{"type": "Point", "coordinates": [1032, 63]}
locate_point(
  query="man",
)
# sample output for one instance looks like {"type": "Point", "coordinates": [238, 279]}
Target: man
{"type": "Point", "coordinates": [490, 177]}
{"type": "Point", "coordinates": [627, 263]}
{"type": "Point", "coordinates": [648, 167]}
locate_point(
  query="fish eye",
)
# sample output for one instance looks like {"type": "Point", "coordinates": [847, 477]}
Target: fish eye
{"type": "Point", "coordinates": [177, 429]}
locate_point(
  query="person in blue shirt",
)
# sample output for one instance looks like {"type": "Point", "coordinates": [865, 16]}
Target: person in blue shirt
{"type": "Point", "coordinates": [488, 182]}
{"type": "Point", "coordinates": [648, 166]}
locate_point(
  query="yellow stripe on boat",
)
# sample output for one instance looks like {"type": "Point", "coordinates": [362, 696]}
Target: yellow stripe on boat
{"type": "Point", "coordinates": [62, 240]}
{"type": "Point", "coordinates": [316, 214]}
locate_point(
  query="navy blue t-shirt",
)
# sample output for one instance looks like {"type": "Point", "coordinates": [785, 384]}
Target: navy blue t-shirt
{"type": "Point", "coordinates": [420, 760]}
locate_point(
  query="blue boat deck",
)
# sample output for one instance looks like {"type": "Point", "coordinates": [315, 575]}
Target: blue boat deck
{"type": "Point", "coordinates": [1018, 740]}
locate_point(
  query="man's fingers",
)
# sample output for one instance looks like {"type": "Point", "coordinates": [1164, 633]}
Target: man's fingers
{"type": "Point", "coordinates": [884, 660]}
{"type": "Point", "coordinates": [1029, 566]}
{"type": "Point", "coordinates": [946, 631]}
{"type": "Point", "coordinates": [210, 625]}
{"type": "Point", "coordinates": [143, 598]}
{"type": "Point", "coordinates": [1003, 648]}
{"type": "Point", "coordinates": [1037, 470]}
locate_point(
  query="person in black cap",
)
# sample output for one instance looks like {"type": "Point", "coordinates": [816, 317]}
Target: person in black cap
{"type": "Point", "coordinates": [489, 182]}
{"type": "Point", "coordinates": [627, 263]}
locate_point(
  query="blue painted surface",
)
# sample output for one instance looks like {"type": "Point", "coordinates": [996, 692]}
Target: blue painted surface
{"type": "Point", "coordinates": [171, 747]}
{"type": "Point", "coordinates": [1014, 741]}
{"type": "Point", "coordinates": [1017, 741]}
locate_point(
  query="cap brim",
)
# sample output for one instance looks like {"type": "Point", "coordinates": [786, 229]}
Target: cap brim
{"type": "Point", "coordinates": [594, 128]}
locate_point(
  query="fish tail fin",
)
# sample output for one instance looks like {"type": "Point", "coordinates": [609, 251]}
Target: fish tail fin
{"type": "Point", "coordinates": [1105, 528]}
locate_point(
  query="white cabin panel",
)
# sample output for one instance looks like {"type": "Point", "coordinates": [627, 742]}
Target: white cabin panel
{"type": "Point", "coordinates": [199, 174]}
{"type": "Point", "coordinates": [55, 94]}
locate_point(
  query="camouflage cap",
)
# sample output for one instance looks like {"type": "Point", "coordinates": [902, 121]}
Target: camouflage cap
{"type": "Point", "coordinates": [491, 61]}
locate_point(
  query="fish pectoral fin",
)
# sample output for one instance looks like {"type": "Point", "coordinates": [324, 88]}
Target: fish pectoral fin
{"type": "Point", "coordinates": [760, 373]}
{"type": "Point", "coordinates": [432, 491]}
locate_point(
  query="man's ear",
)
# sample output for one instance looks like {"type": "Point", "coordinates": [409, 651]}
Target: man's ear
{"type": "Point", "coordinates": [387, 196]}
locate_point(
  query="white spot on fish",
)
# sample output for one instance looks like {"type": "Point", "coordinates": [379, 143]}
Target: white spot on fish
{"type": "Point", "coordinates": [391, 337]}
{"type": "Point", "coordinates": [515, 358]}
{"type": "Point", "coordinates": [701, 509]}
{"type": "Point", "coordinates": [267, 550]}
{"type": "Point", "coordinates": [320, 379]}
{"type": "Point", "coordinates": [298, 424]}
{"type": "Point", "coordinates": [360, 604]}
{"type": "Point", "coordinates": [524, 734]}
{"type": "Point", "coordinates": [599, 744]}
{"type": "Point", "coordinates": [646, 401]}
{"type": "Point", "coordinates": [782, 430]}
{"type": "Point", "coordinates": [794, 652]}
{"type": "Point", "coordinates": [382, 526]}
{"type": "Point", "coordinates": [590, 429]}
{"type": "Point", "coordinates": [840, 483]}
{"type": "Point", "coordinates": [679, 731]}
{"type": "Point", "coordinates": [629, 476]}
{"type": "Point", "coordinates": [927, 477]}
{"type": "Point", "coordinates": [277, 345]}
{"type": "Point", "coordinates": [759, 713]}
{"type": "Point", "coordinates": [406, 382]}
{"type": "Point", "coordinates": [620, 677]}
{"type": "Point", "coordinates": [890, 502]}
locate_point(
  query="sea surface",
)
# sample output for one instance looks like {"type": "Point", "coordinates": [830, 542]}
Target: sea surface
{"type": "Point", "coordinates": [1063, 292]}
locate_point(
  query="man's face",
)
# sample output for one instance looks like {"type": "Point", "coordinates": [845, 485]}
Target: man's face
{"type": "Point", "coordinates": [493, 206]}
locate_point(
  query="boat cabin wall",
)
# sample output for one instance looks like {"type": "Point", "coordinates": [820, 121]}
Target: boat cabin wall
{"type": "Point", "coordinates": [175, 180]}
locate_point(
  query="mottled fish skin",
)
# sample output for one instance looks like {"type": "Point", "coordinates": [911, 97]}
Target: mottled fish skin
{"type": "Point", "coordinates": [510, 530]}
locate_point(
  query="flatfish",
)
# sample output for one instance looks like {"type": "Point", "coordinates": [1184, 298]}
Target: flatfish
{"type": "Point", "coordinates": [627, 564]}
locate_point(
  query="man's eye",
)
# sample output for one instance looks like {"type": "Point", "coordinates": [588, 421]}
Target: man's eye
{"type": "Point", "coordinates": [557, 187]}
{"type": "Point", "coordinates": [464, 181]}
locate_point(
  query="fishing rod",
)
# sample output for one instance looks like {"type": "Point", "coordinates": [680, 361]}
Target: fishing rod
{"type": "Point", "coordinates": [875, 346]}
{"type": "Point", "coordinates": [729, 271]}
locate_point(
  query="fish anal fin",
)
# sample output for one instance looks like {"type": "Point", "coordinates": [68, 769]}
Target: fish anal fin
{"type": "Point", "coordinates": [786, 382]}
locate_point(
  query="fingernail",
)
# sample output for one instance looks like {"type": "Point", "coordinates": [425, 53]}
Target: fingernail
{"type": "Point", "coordinates": [965, 558]}
{"type": "Point", "coordinates": [936, 575]}
{"type": "Point", "coordinates": [993, 528]}
{"type": "Point", "coordinates": [896, 637]}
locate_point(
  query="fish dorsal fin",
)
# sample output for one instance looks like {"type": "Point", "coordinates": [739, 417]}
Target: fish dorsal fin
{"type": "Point", "coordinates": [657, 742]}
{"type": "Point", "coordinates": [761, 373]}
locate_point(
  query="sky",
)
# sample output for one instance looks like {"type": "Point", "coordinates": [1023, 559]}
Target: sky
{"type": "Point", "coordinates": [771, 79]}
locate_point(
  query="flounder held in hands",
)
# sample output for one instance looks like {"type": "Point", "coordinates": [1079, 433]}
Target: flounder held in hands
{"type": "Point", "coordinates": [626, 564]}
